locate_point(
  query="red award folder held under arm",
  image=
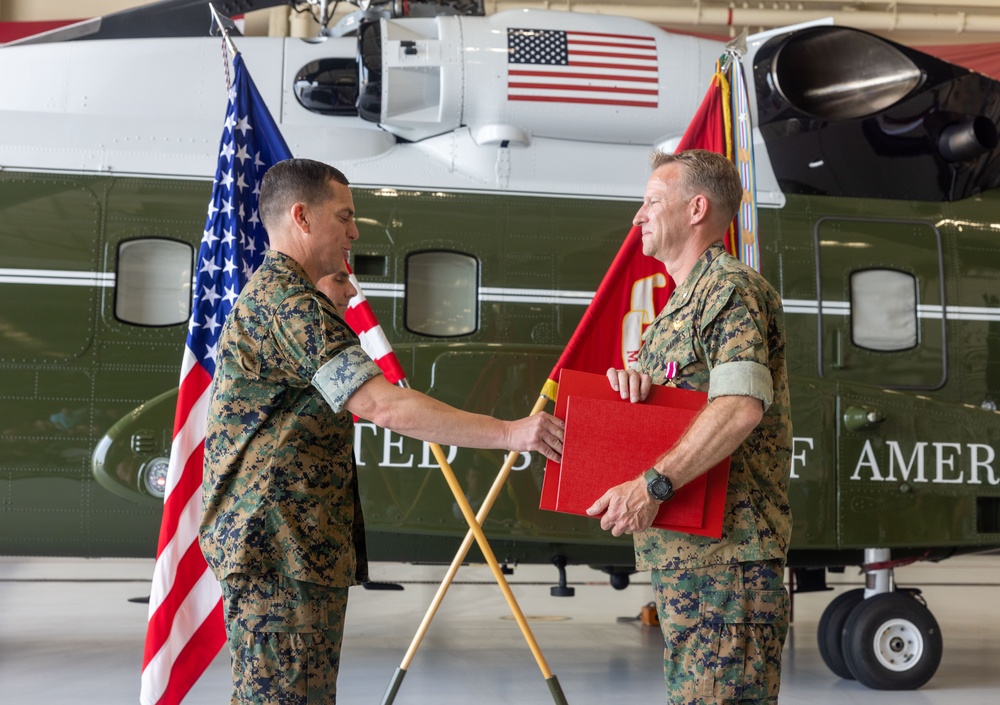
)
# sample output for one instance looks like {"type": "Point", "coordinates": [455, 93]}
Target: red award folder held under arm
{"type": "Point", "coordinates": [609, 440]}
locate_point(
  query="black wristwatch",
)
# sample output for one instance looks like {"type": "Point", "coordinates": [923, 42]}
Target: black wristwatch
{"type": "Point", "coordinates": [658, 486]}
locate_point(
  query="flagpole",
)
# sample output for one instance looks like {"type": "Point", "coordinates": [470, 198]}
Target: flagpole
{"type": "Point", "coordinates": [360, 317]}
{"type": "Point", "coordinates": [456, 563]}
{"type": "Point", "coordinates": [222, 28]}
{"type": "Point", "coordinates": [476, 532]}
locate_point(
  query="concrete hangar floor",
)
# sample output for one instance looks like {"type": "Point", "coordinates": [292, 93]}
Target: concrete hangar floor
{"type": "Point", "coordinates": [69, 634]}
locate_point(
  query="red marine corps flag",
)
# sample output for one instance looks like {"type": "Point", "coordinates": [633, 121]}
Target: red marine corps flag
{"type": "Point", "coordinates": [636, 287]}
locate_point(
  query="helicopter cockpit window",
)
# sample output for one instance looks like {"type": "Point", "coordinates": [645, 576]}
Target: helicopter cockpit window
{"type": "Point", "coordinates": [442, 293]}
{"type": "Point", "coordinates": [884, 310]}
{"type": "Point", "coordinates": [153, 282]}
{"type": "Point", "coordinates": [328, 86]}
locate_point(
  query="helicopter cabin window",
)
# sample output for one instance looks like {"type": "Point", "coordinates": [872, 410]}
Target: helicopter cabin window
{"type": "Point", "coordinates": [442, 293]}
{"type": "Point", "coordinates": [883, 310]}
{"type": "Point", "coordinates": [153, 282]}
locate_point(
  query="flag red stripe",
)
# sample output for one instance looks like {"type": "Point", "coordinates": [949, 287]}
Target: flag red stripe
{"type": "Point", "coordinates": [639, 58]}
{"type": "Point", "coordinates": [189, 570]}
{"type": "Point", "coordinates": [196, 656]}
{"type": "Point", "coordinates": [361, 317]}
{"type": "Point", "coordinates": [592, 76]}
{"type": "Point", "coordinates": [598, 89]}
{"type": "Point", "coordinates": [591, 101]}
{"type": "Point", "coordinates": [192, 387]}
{"type": "Point", "coordinates": [188, 484]}
{"type": "Point", "coordinates": [574, 33]}
{"type": "Point", "coordinates": [595, 65]}
{"type": "Point", "coordinates": [622, 45]}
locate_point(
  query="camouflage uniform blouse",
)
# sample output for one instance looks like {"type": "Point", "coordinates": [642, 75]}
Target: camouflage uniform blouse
{"type": "Point", "coordinates": [724, 329]}
{"type": "Point", "coordinates": [280, 487]}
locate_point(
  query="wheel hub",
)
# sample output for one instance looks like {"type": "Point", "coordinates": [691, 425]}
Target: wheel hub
{"type": "Point", "coordinates": [898, 645]}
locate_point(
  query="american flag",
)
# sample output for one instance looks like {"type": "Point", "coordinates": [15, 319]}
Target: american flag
{"type": "Point", "coordinates": [553, 66]}
{"type": "Point", "coordinates": [185, 629]}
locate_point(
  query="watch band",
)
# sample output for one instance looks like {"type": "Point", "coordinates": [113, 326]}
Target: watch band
{"type": "Point", "coordinates": [659, 486]}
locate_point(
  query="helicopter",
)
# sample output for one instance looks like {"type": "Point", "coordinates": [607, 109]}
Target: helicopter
{"type": "Point", "coordinates": [877, 174]}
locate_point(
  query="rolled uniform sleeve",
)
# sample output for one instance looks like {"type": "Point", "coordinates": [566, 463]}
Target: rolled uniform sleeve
{"type": "Point", "coordinates": [744, 379]}
{"type": "Point", "coordinates": [324, 352]}
{"type": "Point", "coordinates": [342, 375]}
{"type": "Point", "coordinates": [735, 345]}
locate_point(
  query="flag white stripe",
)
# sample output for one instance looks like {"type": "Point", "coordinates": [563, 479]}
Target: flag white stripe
{"type": "Point", "coordinates": [524, 72]}
{"type": "Point", "coordinates": [594, 81]}
{"type": "Point", "coordinates": [188, 362]}
{"type": "Point", "coordinates": [647, 68]}
{"type": "Point", "coordinates": [374, 342]}
{"type": "Point", "coordinates": [601, 37]}
{"type": "Point", "coordinates": [191, 613]}
{"type": "Point", "coordinates": [189, 438]}
{"type": "Point", "coordinates": [636, 47]}
{"type": "Point", "coordinates": [165, 570]}
{"type": "Point", "coordinates": [643, 99]}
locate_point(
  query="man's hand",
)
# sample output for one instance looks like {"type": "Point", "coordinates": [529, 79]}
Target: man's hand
{"type": "Point", "coordinates": [627, 508]}
{"type": "Point", "coordinates": [630, 384]}
{"type": "Point", "coordinates": [542, 433]}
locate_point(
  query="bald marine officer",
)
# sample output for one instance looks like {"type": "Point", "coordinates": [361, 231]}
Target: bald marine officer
{"type": "Point", "coordinates": [722, 603]}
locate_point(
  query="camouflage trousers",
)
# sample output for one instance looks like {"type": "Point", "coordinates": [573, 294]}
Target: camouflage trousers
{"type": "Point", "coordinates": [284, 638]}
{"type": "Point", "coordinates": [723, 630]}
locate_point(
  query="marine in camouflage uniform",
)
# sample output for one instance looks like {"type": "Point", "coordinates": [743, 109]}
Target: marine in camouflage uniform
{"type": "Point", "coordinates": [722, 604]}
{"type": "Point", "coordinates": [724, 599]}
{"type": "Point", "coordinates": [282, 527]}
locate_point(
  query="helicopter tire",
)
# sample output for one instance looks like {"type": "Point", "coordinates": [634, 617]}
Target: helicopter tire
{"type": "Point", "coordinates": [830, 633]}
{"type": "Point", "coordinates": [892, 642]}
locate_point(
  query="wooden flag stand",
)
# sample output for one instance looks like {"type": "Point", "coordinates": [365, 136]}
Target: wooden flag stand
{"type": "Point", "coordinates": [476, 533]}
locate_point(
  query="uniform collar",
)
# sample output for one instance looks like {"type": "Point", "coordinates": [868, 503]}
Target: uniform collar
{"type": "Point", "coordinates": [283, 261]}
{"type": "Point", "coordinates": [682, 294]}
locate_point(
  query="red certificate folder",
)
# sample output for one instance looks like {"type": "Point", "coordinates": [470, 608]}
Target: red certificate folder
{"type": "Point", "coordinates": [609, 440]}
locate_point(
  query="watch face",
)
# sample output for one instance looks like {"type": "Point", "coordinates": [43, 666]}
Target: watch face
{"type": "Point", "coordinates": [660, 488]}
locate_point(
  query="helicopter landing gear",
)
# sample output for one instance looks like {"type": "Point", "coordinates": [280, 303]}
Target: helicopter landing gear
{"type": "Point", "coordinates": [562, 589]}
{"type": "Point", "coordinates": [830, 631]}
{"type": "Point", "coordinates": [880, 635]}
{"type": "Point", "coordinates": [892, 642]}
